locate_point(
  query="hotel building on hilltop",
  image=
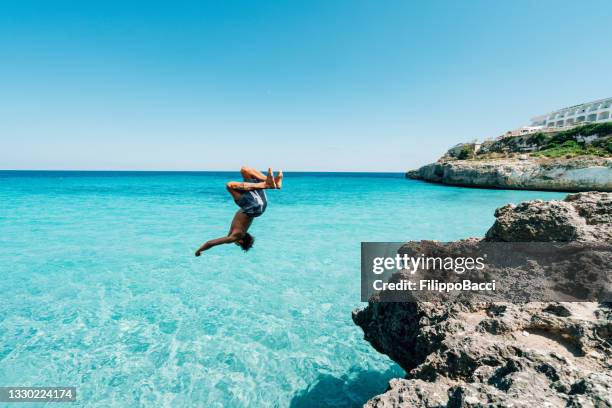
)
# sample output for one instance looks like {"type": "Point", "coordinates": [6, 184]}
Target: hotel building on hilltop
{"type": "Point", "coordinates": [593, 112]}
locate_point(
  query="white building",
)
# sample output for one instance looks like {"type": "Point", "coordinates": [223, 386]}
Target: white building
{"type": "Point", "coordinates": [593, 112]}
{"type": "Point", "coordinates": [523, 130]}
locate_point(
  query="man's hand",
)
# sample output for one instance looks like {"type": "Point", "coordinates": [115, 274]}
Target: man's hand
{"type": "Point", "coordinates": [214, 242]}
{"type": "Point", "coordinates": [202, 249]}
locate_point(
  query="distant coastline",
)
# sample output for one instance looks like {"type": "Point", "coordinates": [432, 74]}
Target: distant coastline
{"type": "Point", "coordinates": [573, 160]}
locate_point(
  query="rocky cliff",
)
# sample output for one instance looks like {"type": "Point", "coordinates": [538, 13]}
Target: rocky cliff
{"type": "Point", "coordinates": [578, 159]}
{"type": "Point", "coordinates": [502, 354]}
{"type": "Point", "coordinates": [575, 174]}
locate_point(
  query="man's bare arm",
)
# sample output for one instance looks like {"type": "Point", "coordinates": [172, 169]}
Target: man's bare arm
{"type": "Point", "coordinates": [246, 186]}
{"type": "Point", "coordinates": [219, 241]}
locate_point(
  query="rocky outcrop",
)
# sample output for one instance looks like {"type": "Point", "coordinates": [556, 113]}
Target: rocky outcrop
{"type": "Point", "coordinates": [495, 354]}
{"type": "Point", "coordinates": [580, 217]}
{"type": "Point", "coordinates": [576, 174]}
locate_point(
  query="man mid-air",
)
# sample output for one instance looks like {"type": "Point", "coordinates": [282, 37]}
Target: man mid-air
{"type": "Point", "coordinates": [251, 198]}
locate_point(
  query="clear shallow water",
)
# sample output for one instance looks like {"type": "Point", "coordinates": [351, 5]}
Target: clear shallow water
{"type": "Point", "coordinates": [100, 288]}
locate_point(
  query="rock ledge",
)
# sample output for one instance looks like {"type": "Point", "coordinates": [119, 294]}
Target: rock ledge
{"type": "Point", "coordinates": [501, 354]}
{"type": "Point", "coordinates": [577, 174]}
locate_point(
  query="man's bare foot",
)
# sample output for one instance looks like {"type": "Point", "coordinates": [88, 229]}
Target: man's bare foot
{"type": "Point", "coordinates": [270, 179]}
{"type": "Point", "coordinates": [279, 180]}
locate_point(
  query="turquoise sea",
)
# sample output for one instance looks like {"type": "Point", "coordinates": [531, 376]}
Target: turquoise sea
{"type": "Point", "coordinates": [100, 288]}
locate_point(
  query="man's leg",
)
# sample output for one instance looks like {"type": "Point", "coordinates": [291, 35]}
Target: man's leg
{"type": "Point", "coordinates": [234, 193]}
{"type": "Point", "coordinates": [249, 173]}
{"type": "Point", "coordinates": [269, 183]}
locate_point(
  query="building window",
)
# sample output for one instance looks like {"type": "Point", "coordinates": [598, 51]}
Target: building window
{"type": "Point", "coordinates": [592, 117]}
{"type": "Point", "coordinates": [604, 115]}
{"type": "Point", "coordinates": [580, 119]}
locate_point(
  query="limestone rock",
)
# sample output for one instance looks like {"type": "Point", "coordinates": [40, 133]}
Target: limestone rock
{"type": "Point", "coordinates": [580, 217]}
{"type": "Point", "coordinates": [501, 354]}
{"type": "Point", "coordinates": [576, 174]}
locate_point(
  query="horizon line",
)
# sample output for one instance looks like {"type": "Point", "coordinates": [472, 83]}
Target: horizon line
{"type": "Point", "coordinates": [192, 171]}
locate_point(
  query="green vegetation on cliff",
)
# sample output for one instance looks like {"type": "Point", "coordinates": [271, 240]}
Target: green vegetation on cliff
{"type": "Point", "coordinates": [572, 142]}
{"type": "Point", "coordinates": [572, 148]}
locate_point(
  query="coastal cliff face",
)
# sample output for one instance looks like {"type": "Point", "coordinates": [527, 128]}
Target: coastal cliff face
{"type": "Point", "coordinates": [576, 174]}
{"type": "Point", "coordinates": [501, 354]}
{"type": "Point", "coordinates": [578, 159]}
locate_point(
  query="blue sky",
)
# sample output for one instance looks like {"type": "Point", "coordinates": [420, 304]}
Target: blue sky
{"type": "Point", "coordinates": [298, 85]}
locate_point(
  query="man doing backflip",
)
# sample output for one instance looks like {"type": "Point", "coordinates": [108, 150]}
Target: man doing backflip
{"type": "Point", "coordinates": [250, 196]}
